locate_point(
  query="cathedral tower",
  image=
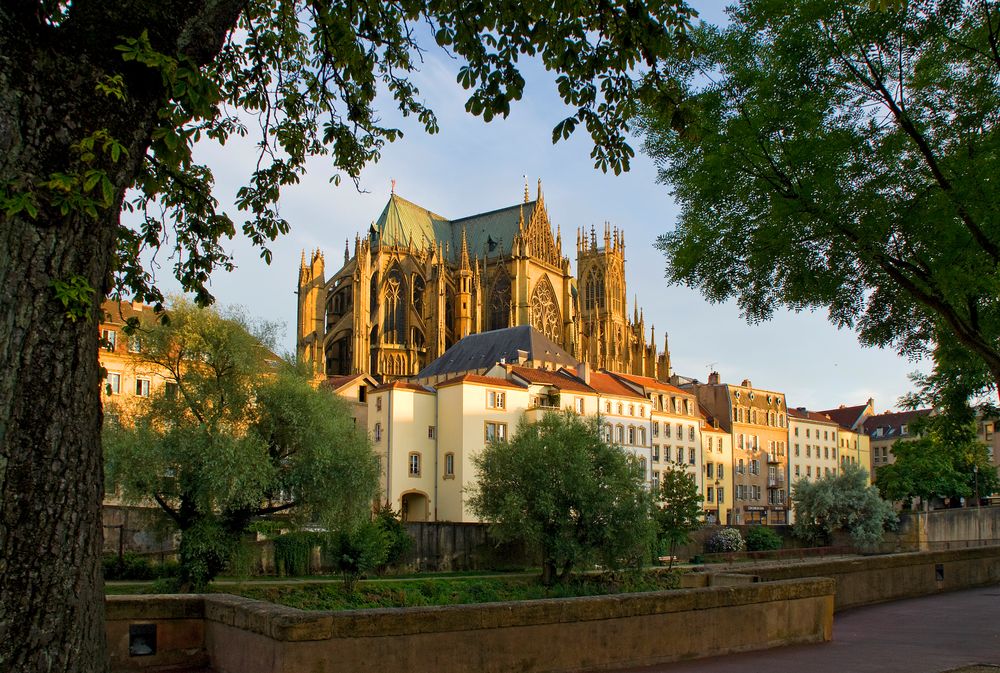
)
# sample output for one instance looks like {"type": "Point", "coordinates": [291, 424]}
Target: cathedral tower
{"type": "Point", "coordinates": [311, 305]}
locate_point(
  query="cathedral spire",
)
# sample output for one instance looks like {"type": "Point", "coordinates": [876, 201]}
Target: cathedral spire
{"type": "Point", "coordinates": [526, 197]}
{"type": "Point", "coordinates": [540, 199]}
{"type": "Point", "coordinates": [464, 264]}
{"type": "Point", "coordinates": [347, 250]}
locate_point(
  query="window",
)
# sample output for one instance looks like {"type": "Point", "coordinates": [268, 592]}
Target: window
{"type": "Point", "coordinates": [710, 494]}
{"type": "Point", "coordinates": [631, 435]}
{"type": "Point", "coordinates": [718, 443]}
{"type": "Point", "coordinates": [642, 436]}
{"type": "Point", "coordinates": [142, 387]}
{"type": "Point", "coordinates": [826, 452]}
{"type": "Point", "coordinates": [688, 408]}
{"type": "Point", "coordinates": [631, 410]}
{"type": "Point", "coordinates": [113, 383]}
{"type": "Point", "coordinates": [807, 432]}
{"type": "Point", "coordinates": [430, 432]}
{"type": "Point", "coordinates": [809, 451]}
{"type": "Point", "coordinates": [607, 407]}
{"type": "Point", "coordinates": [740, 468]}
{"type": "Point", "coordinates": [796, 470]}
{"type": "Point", "coordinates": [134, 344]}
{"type": "Point", "coordinates": [902, 430]}
{"type": "Point", "coordinates": [691, 456]}
{"type": "Point", "coordinates": [378, 403]}
{"type": "Point", "coordinates": [656, 428]}
{"type": "Point", "coordinates": [579, 405]}
{"type": "Point", "coordinates": [607, 432]}
{"type": "Point", "coordinates": [378, 432]}
{"type": "Point", "coordinates": [710, 470]}
{"type": "Point", "coordinates": [496, 432]}
{"type": "Point", "coordinates": [642, 464]}
{"type": "Point", "coordinates": [666, 430]}
{"type": "Point", "coordinates": [720, 471]}
{"type": "Point", "coordinates": [170, 390]}
{"type": "Point", "coordinates": [110, 339]}
{"type": "Point", "coordinates": [826, 434]}
{"type": "Point", "coordinates": [495, 399]}
{"type": "Point", "coordinates": [691, 433]}
{"type": "Point", "coordinates": [449, 466]}
{"type": "Point", "coordinates": [809, 471]}
{"type": "Point", "coordinates": [642, 411]}
{"type": "Point", "coordinates": [656, 481]}
{"type": "Point", "coordinates": [414, 464]}
{"type": "Point", "coordinates": [620, 434]}
{"type": "Point", "coordinates": [680, 431]}
{"type": "Point", "coordinates": [621, 409]}
{"type": "Point", "coordinates": [720, 494]}
{"type": "Point", "coordinates": [656, 453]}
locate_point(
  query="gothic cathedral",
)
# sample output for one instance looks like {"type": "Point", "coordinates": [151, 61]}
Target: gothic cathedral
{"type": "Point", "coordinates": [418, 282]}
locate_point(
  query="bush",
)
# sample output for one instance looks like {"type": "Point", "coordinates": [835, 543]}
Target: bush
{"type": "Point", "coordinates": [762, 538]}
{"type": "Point", "coordinates": [132, 566]}
{"type": "Point", "coordinates": [397, 539]}
{"type": "Point", "coordinates": [356, 552]}
{"type": "Point", "coordinates": [293, 552]}
{"type": "Point", "coordinates": [726, 540]}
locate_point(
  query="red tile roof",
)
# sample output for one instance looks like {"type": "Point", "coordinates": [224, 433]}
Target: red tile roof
{"type": "Point", "coordinates": [813, 416]}
{"type": "Point", "coordinates": [562, 379]}
{"type": "Point", "coordinates": [652, 384]}
{"type": "Point", "coordinates": [338, 382]}
{"type": "Point", "coordinates": [607, 384]}
{"type": "Point", "coordinates": [403, 385]}
{"type": "Point", "coordinates": [481, 380]}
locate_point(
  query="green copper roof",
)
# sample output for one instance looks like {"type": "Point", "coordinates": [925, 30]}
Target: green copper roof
{"type": "Point", "coordinates": [402, 221]}
{"type": "Point", "coordinates": [488, 234]}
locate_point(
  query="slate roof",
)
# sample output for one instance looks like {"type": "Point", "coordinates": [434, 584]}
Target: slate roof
{"type": "Point", "coordinates": [845, 417]}
{"type": "Point", "coordinates": [814, 416]}
{"type": "Point", "coordinates": [488, 234]}
{"type": "Point", "coordinates": [485, 349]}
{"type": "Point", "coordinates": [891, 424]}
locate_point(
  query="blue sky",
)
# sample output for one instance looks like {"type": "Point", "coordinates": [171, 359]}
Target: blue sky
{"type": "Point", "coordinates": [472, 167]}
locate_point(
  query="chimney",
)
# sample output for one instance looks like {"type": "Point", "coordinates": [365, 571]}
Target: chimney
{"type": "Point", "coordinates": [583, 372]}
{"type": "Point", "coordinates": [842, 406]}
{"type": "Point", "coordinates": [713, 379]}
{"type": "Point", "coordinates": [746, 383]}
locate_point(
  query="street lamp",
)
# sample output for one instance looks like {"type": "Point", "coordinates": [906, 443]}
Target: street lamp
{"type": "Point", "coordinates": [718, 504]}
{"type": "Point", "coordinates": [975, 472]}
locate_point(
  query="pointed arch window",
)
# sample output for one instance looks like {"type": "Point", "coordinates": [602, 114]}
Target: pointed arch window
{"type": "Point", "coordinates": [594, 292]}
{"type": "Point", "coordinates": [394, 325]}
{"type": "Point", "coordinates": [418, 295]}
{"type": "Point", "coordinates": [499, 311]}
{"type": "Point", "coordinates": [544, 311]}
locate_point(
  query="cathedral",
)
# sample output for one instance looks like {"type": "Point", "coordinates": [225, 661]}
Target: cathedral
{"type": "Point", "coordinates": [418, 282]}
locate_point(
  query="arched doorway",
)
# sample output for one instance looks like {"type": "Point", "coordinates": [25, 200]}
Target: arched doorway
{"type": "Point", "coordinates": [414, 506]}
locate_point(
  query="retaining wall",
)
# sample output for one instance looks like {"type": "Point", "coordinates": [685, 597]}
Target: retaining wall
{"type": "Point", "coordinates": [238, 635]}
{"type": "Point", "coordinates": [875, 579]}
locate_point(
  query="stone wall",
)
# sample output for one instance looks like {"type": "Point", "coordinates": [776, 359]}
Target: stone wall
{"type": "Point", "coordinates": [875, 579]}
{"type": "Point", "coordinates": [461, 546]}
{"type": "Point", "coordinates": [238, 635]}
{"type": "Point", "coordinates": [140, 530]}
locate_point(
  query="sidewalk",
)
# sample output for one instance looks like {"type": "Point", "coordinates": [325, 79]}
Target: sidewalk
{"type": "Point", "coordinates": [920, 635]}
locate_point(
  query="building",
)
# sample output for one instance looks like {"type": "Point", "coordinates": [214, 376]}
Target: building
{"type": "Point", "coordinates": [354, 389]}
{"type": "Point", "coordinates": [854, 443]}
{"type": "Point", "coordinates": [717, 455]}
{"type": "Point", "coordinates": [886, 429]}
{"type": "Point", "coordinates": [417, 283]}
{"type": "Point", "coordinates": [756, 422]}
{"type": "Point", "coordinates": [127, 376]}
{"type": "Point", "coordinates": [814, 445]}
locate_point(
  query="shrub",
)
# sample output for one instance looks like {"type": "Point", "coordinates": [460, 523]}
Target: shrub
{"type": "Point", "coordinates": [762, 538]}
{"type": "Point", "coordinates": [293, 551]}
{"type": "Point", "coordinates": [726, 540]}
{"type": "Point", "coordinates": [132, 566]}
{"type": "Point", "coordinates": [356, 552]}
{"type": "Point", "coordinates": [397, 539]}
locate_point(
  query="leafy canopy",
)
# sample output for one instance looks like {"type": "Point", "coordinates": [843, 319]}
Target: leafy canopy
{"type": "Point", "coordinates": [844, 501]}
{"type": "Point", "coordinates": [679, 510]}
{"type": "Point", "coordinates": [841, 155]}
{"type": "Point", "coordinates": [240, 436]}
{"type": "Point", "coordinates": [561, 489]}
{"type": "Point", "coordinates": [306, 79]}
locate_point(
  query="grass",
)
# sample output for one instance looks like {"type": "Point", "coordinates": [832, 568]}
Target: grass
{"type": "Point", "coordinates": [448, 591]}
{"type": "Point", "coordinates": [453, 588]}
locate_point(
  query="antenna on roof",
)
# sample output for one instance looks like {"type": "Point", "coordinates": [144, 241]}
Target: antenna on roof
{"type": "Point", "coordinates": [711, 366]}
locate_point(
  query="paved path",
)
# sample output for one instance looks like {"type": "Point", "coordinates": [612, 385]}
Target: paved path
{"type": "Point", "coordinates": [920, 635]}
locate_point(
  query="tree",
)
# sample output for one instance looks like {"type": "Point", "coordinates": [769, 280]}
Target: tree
{"type": "Point", "coordinates": [679, 512]}
{"type": "Point", "coordinates": [843, 501]}
{"type": "Point", "coordinates": [241, 437]}
{"type": "Point", "coordinates": [841, 155]}
{"type": "Point", "coordinates": [99, 98]}
{"type": "Point", "coordinates": [557, 486]}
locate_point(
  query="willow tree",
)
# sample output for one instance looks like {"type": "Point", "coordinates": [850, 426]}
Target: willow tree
{"type": "Point", "coordinates": [98, 98]}
{"type": "Point", "coordinates": [841, 156]}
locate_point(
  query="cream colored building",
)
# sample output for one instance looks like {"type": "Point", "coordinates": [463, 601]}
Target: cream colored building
{"type": "Point", "coordinates": [717, 456]}
{"type": "Point", "coordinates": [814, 445]}
{"type": "Point", "coordinates": [855, 449]}
{"type": "Point", "coordinates": [127, 376]}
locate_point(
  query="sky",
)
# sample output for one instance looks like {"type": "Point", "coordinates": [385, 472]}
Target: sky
{"type": "Point", "coordinates": [472, 167]}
